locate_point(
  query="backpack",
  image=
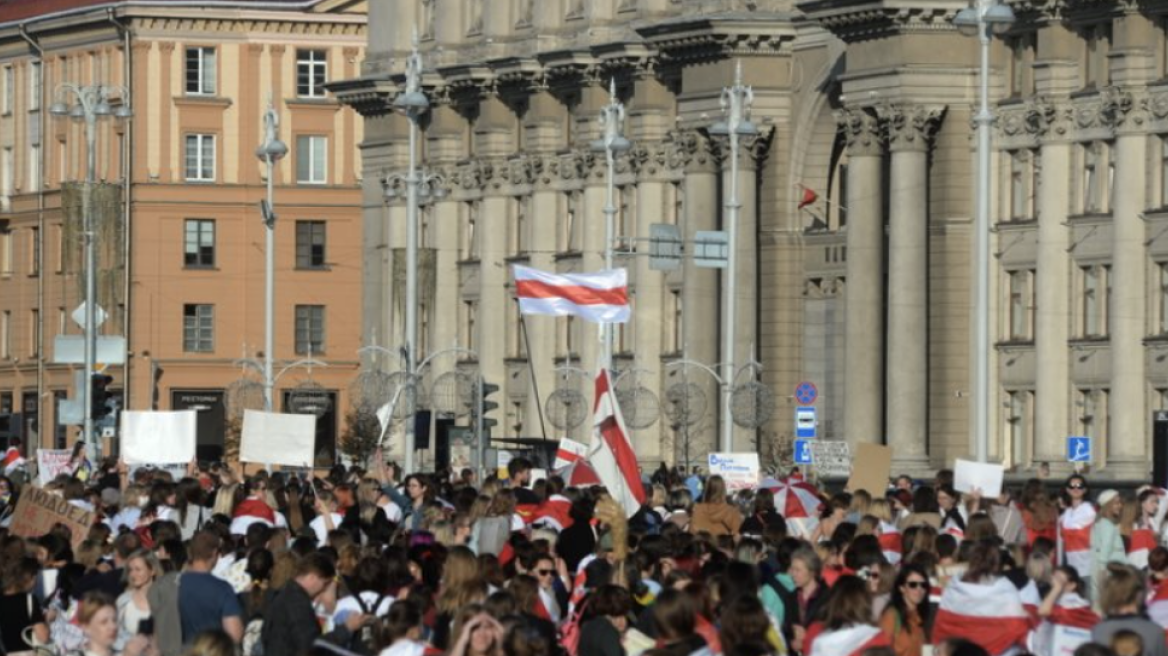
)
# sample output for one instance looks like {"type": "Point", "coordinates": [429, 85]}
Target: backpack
{"type": "Point", "coordinates": [364, 640]}
{"type": "Point", "coordinates": [253, 644]}
{"type": "Point", "coordinates": [570, 630]}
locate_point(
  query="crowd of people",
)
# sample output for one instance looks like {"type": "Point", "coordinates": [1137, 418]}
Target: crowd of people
{"type": "Point", "coordinates": [363, 561]}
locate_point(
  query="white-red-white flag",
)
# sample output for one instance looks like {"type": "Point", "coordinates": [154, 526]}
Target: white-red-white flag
{"type": "Point", "coordinates": [601, 297]}
{"type": "Point", "coordinates": [610, 453]}
{"type": "Point", "coordinates": [991, 615]}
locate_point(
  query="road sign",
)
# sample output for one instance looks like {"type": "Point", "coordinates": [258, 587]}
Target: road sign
{"type": "Point", "coordinates": [802, 452]}
{"type": "Point", "coordinates": [664, 247]}
{"type": "Point", "coordinates": [70, 349]}
{"type": "Point", "coordinates": [79, 315]}
{"type": "Point", "coordinates": [711, 249]}
{"type": "Point", "coordinates": [805, 423]}
{"type": "Point", "coordinates": [806, 393]}
{"type": "Point", "coordinates": [1079, 449]}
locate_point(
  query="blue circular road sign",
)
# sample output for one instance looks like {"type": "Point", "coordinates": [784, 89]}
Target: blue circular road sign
{"type": "Point", "coordinates": [806, 393]}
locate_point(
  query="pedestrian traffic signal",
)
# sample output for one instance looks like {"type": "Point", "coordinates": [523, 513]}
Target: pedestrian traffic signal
{"type": "Point", "coordinates": [98, 395]}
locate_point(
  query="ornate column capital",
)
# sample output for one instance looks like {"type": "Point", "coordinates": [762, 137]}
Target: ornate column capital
{"type": "Point", "coordinates": [752, 149]}
{"type": "Point", "coordinates": [690, 150]}
{"type": "Point", "coordinates": [862, 130]}
{"type": "Point", "coordinates": [911, 127]}
{"type": "Point", "coordinates": [1124, 111]}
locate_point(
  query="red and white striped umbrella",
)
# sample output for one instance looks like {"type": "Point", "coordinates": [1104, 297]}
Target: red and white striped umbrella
{"type": "Point", "coordinates": [578, 474]}
{"type": "Point", "coordinates": [797, 499]}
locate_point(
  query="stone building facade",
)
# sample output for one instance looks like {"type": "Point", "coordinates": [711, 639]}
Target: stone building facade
{"type": "Point", "coordinates": [181, 240]}
{"type": "Point", "coordinates": [867, 291]}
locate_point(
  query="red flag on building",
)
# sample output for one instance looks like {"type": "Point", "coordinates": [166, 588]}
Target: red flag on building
{"type": "Point", "coordinates": [809, 197]}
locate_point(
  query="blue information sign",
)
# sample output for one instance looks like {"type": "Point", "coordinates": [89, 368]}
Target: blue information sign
{"type": "Point", "coordinates": [802, 452]}
{"type": "Point", "coordinates": [1079, 449]}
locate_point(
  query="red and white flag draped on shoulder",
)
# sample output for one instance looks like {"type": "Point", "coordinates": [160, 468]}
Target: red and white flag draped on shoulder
{"type": "Point", "coordinates": [601, 297]}
{"type": "Point", "coordinates": [610, 453]}
{"type": "Point", "coordinates": [990, 614]}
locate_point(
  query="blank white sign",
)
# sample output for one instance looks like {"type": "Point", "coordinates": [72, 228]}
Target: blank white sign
{"type": "Point", "coordinates": [153, 438]}
{"type": "Point", "coordinates": [278, 439]}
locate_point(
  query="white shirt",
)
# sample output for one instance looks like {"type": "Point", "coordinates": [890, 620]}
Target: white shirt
{"type": "Point", "coordinates": [404, 647]}
{"type": "Point", "coordinates": [393, 512]}
{"type": "Point", "coordinates": [322, 531]}
{"type": "Point", "coordinates": [349, 605]}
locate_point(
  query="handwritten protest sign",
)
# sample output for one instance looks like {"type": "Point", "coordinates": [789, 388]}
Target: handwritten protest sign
{"type": "Point", "coordinates": [739, 470]}
{"type": "Point", "coordinates": [831, 458]}
{"type": "Point", "coordinates": [51, 462]}
{"type": "Point", "coordinates": [158, 437]}
{"type": "Point", "coordinates": [38, 511]}
{"type": "Point", "coordinates": [278, 439]}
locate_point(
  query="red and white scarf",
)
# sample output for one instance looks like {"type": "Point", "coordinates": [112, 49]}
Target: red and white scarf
{"type": "Point", "coordinates": [1070, 611]}
{"type": "Point", "coordinates": [989, 614]}
{"type": "Point", "coordinates": [1143, 540]}
{"type": "Point", "coordinates": [890, 542]}
{"type": "Point", "coordinates": [848, 641]}
{"type": "Point", "coordinates": [1074, 536]}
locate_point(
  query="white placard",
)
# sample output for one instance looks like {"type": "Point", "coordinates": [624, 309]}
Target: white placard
{"type": "Point", "coordinates": [570, 451]}
{"type": "Point", "coordinates": [1066, 639]}
{"type": "Point", "coordinates": [831, 458]}
{"type": "Point", "coordinates": [278, 439]}
{"type": "Point", "coordinates": [739, 470]}
{"type": "Point", "coordinates": [51, 462]}
{"type": "Point", "coordinates": [151, 438]}
{"type": "Point", "coordinates": [987, 477]}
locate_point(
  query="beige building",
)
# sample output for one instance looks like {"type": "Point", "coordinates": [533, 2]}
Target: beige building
{"type": "Point", "coordinates": [181, 242]}
{"type": "Point", "coordinates": [866, 292]}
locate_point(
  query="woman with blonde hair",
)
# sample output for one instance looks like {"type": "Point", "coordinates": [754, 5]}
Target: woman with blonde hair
{"type": "Point", "coordinates": [142, 568]}
{"type": "Point", "coordinates": [491, 531]}
{"type": "Point", "coordinates": [98, 618]}
{"type": "Point", "coordinates": [368, 520]}
{"type": "Point", "coordinates": [891, 543]}
{"type": "Point", "coordinates": [462, 585]}
{"type": "Point", "coordinates": [134, 497]}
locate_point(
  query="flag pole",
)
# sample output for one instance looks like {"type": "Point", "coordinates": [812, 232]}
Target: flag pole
{"type": "Point", "coordinates": [534, 381]}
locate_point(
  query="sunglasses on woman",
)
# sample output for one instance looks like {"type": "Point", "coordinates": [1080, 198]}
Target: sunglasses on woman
{"type": "Point", "coordinates": [917, 585]}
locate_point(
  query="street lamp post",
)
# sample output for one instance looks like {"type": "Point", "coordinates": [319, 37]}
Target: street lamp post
{"type": "Point", "coordinates": [413, 103]}
{"type": "Point", "coordinates": [90, 104]}
{"type": "Point", "coordinates": [612, 119]}
{"type": "Point", "coordinates": [269, 153]}
{"type": "Point", "coordinates": [736, 101]}
{"type": "Point", "coordinates": [982, 20]}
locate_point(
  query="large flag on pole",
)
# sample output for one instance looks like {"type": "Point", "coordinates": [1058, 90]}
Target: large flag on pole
{"type": "Point", "coordinates": [601, 297]}
{"type": "Point", "coordinates": [610, 453]}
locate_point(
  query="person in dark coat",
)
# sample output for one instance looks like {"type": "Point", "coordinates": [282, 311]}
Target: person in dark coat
{"type": "Point", "coordinates": [290, 625]}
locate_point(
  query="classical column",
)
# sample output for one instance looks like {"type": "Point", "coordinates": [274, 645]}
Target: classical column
{"type": "Point", "coordinates": [1127, 433]}
{"type": "Point", "coordinates": [907, 393]}
{"type": "Point", "coordinates": [700, 309]}
{"type": "Point", "coordinates": [864, 301]}
{"type": "Point", "coordinates": [1052, 321]}
{"type": "Point", "coordinates": [444, 146]}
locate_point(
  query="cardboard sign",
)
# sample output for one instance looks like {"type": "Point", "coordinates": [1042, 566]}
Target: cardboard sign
{"type": "Point", "coordinates": [51, 463]}
{"type": "Point", "coordinates": [969, 475]}
{"type": "Point", "coordinates": [278, 439]}
{"type": "Point", "coordinates": [570, 451]}
{"type": "Point", "coordinates": [739, 470]}
{"type": "Point", "coordinates": [158, 437]}
{"type": "Point", "coordinates": [831, 458]}
{"type": "Point", "coordinates": [874, 464]}
{"type": "Point", "coordinates": [38, 511]}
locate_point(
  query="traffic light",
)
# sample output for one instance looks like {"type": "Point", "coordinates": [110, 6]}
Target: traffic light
{"type": "Point", "coordinates": [485, 406]}
{"type": "Point", "coordinates": [98, 395]}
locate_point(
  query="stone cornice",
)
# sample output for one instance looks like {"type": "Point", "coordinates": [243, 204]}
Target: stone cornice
{"type": "Point", "coordinates": [370, 96]}
{"type": "Point", "coordinates": [312, 26]}
{"type": "Point", "coordinates": [710, 38]}
{"type": "Point", "coordinates": [860, 20]}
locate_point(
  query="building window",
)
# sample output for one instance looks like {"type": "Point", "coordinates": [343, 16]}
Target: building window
{"type": "Point", "coordinates": [1093, 62]}
{"type": "Point", "coordinates": [1164, 170]}
{"type": "Point", "coordinates": [470, 237]}
{"type": "Point", "coordinates": [1091, 179]}
{"type": "Point", "coordinates": [5, 334]}
{"type": "Point", "coordinates": [1019, 424]}
{"type": "Point", "coordinates": [1092, 408]}
{"type": "Point", "coordinates": [1095, 287]}
{"type": "Point", "coordinates": [199, 243]}
{"type": "Point", "coordinates": [9, 89]}
{"type": "Point", "coordinates": [310, 244]}
{"type": "Point", "coordinates": [311, 159]}
{"type": "Point", "coordinates": [5, 250]}
{"type": "Point", "coordinates": [515, 331]}
{"type": "Point", "coordinates": [1021, 316]}
{"type": "Point", "coordinates": [625, 232]}
{"type": "Point", "coordinates": [34, 86]}
{"type": "Point", "coordinates": [568, 222]}
{"type": "Point", "coordinates": [1022, 50]}
{"type": "Point", "coordinates": [34, 252]}
{"type": "Point", "coordinates": [8, 182]}
{"type": "Point", "coordinates": [199, 328]}
{"type": "Point", "coordinates": [200, 157]}
{"type": "Point", "coordinates": [470, 321]}
{"type": "Point", "coordinates": [200, 71]}
{"type": "Point", "coordinates": [677, 322]}
{"type": "Point", "coordinates": [1162, 296]}
{"type": "Point", "coordinates": [34, 333]}
{"type": "Point", "coordinates": [568, 336]}
{"type": "Point", "coordinates": [519, 227]}
{"type": "Point", "coordinates": [624, 338]}
{"type": "Point", "coordinates": [34, 167]}
{"type": "Point", "coordinates": [309, 329]}
{"type": "Point", "coordinates": [1023, 184]}
{"type": "Point", "coordinates": [311, 73]}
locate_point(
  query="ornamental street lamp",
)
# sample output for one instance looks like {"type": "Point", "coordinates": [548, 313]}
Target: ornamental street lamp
{"type": "Point", "coordinates": [612, 119]}
{"type": "Point", "coordinates": [269, 152]}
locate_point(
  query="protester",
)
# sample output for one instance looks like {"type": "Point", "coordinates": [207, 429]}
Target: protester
{"type": "Point", "coordinates": [1122, 596]}
{"type": "Point", "coordinates": [908, 616]}
{"type": "Point", "coordinates": [206, 602]}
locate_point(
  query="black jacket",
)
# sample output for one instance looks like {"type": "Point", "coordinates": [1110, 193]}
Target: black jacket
{"type": "Point", "coordinates": [290, 626]}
